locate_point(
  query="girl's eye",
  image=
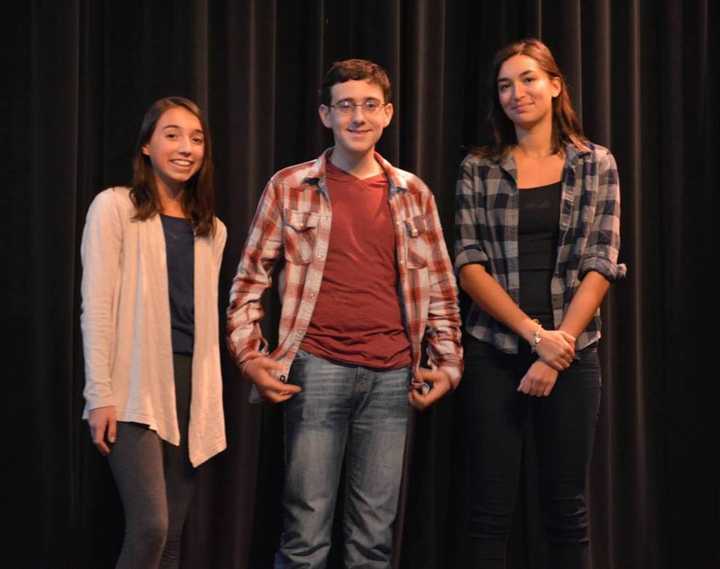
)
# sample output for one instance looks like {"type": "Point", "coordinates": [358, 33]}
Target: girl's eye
{"type": "Point", "coordinates": [198, 140]}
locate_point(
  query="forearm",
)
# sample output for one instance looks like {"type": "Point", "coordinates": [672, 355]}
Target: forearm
{"type": "Point", "coordinates": [101, 252]}
{"type": "Point", "coordinates": [253, 278]}
{"type": "Point", "coordinates": [585, 302]}
{"type": "Point", "coordinates": [98, 342]}
{"type": "Point", "coordinates": [98, 325]}
{"type": "Point", "coordinates": [444, 342]}
{"type": "Point", "coordinates": [443, 318]}
{"type": "Point", "coordinates": [489, 295]}
{"type": "Point", "coordinates": [245, 310]}
{"type": "Point", "coordinates": [244, 314]}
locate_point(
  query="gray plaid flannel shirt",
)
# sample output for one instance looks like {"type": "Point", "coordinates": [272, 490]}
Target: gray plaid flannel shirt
{"type": "Point", "coordinates": [486, 225]}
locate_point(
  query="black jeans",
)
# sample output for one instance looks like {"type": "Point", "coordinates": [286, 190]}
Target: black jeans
{"type": "Point", "coordinates": [494, 420]}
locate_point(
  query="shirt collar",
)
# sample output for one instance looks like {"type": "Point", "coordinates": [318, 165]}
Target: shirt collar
{"type": "Point", "coordinates": [318, 170]}
{"type": "Point", "coordinates": [572, 153]}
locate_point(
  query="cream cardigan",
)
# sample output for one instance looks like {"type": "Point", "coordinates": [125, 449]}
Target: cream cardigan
{"type": "Point", "coordinates": [125, 324]}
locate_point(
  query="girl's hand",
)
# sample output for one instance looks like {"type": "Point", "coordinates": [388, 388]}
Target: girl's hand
{"type": "Point", "coordinates": [556, 348]}
{"type": "Point", "coordinates": [103, 427]}
{"type": "Point", "coordinates": [539, 380]}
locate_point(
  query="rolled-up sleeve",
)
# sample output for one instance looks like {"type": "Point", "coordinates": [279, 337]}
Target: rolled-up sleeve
{"type": "Point", "coordinates": [443, 316]}
{"type": "Point", "coordinates": [468, 204]}
{"type": "Point", "coordinates": [601, 253]}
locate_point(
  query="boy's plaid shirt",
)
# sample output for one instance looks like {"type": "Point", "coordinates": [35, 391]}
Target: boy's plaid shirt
{"type": "Point", "coordinates": [292, 222]}
{"type": "Point", "coordinates": [486, 225]}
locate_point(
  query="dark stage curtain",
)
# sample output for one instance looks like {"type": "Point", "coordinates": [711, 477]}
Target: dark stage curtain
{"type": "Point", "coordinates": [80, 73]}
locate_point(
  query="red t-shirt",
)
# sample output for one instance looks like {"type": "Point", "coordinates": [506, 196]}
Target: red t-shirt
{"type": "Point", "coordinates": [357, 317]}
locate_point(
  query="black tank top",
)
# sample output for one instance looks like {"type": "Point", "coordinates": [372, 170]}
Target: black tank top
{"type": "Point", "coordinates": [537, 247]}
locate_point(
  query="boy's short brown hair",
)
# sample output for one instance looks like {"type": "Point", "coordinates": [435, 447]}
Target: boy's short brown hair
{"type": "Point", "coordinates": [355, 70]}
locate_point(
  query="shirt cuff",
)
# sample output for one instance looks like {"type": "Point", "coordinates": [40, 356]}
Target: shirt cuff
{"type": "Point", "coordinates": [611, 271]}
{"type": "Point", "coordinates": [468, 256]}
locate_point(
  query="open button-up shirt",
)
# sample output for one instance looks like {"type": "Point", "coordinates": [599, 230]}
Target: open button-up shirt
{"type": "Point", "coordinates": [486, 223]}
{"type": "Point", "coordinates": [292, 224]}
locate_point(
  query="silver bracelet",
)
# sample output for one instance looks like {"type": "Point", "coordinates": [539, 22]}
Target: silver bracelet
{"type": "Point", "coordinates": [536, 339]}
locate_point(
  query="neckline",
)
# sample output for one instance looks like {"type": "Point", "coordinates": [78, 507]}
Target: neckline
{"type": "Point", "coordinates": [335, 171]}
{"type": "Point", "coordinates": [544, 186]}
{"type": "Point", "coordinates": [174, 217]}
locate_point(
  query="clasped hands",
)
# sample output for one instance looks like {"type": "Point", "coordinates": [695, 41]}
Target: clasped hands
{"type": "Point", "coordinates": [556, 352]}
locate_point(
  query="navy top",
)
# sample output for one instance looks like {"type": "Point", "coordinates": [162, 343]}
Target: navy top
{"type": "Point", "coordinates": [180, 250]}
{"type": "Point", "coordinates": [537, 247]}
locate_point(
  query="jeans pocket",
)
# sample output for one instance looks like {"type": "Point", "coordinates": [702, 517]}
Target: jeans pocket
{"type": "Point", "coordinates": [301, 355]}
{"type": "Point", "coordinates": [587, 366]}
{"type": "Point", "coordinates": [298, 364]}
{"type": "Point", "coordinates": [589, 355]}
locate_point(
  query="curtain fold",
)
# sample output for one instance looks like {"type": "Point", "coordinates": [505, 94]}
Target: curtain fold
{"type": "Point", "coordinates": [642, 77]}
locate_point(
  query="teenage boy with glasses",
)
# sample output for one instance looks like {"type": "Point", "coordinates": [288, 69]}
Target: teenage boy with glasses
{"type": "Point", "coordinates": [366, 277]}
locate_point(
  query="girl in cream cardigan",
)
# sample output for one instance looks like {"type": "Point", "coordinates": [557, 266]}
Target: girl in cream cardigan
{"type": "Point", "coordinates": [151, 257]}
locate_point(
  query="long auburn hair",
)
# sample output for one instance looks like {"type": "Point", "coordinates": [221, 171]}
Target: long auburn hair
{"type": "Point", "coordinates": [198, 195]}
{"type": "Point", "coordinates": [566, 128]}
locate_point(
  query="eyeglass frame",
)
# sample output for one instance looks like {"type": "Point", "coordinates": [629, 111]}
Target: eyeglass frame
{"type": "Point", "coordinates": [352, 105]}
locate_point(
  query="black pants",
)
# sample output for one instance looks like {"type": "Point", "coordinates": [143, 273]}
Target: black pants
{"type": "Point", "coordinates": [156, 483]}
{"type": "Point", "coordinates": [495, 416]}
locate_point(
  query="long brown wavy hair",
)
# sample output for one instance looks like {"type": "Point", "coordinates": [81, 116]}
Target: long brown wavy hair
{"type": "Point", "coordinates": [566, 128]}
{"type": "Point", "coordinates": [198, 195]}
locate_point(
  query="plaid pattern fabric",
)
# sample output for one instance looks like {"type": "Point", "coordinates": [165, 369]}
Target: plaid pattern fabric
{"type": "Point", "coordinates": [486, 224]}
{"type": "Point", "coordinates": [292, 224]}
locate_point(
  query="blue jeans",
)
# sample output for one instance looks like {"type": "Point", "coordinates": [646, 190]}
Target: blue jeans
{"type": "Point", "coordinates": [344, 412]}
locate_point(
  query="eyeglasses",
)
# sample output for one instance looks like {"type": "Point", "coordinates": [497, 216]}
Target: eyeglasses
{"type": "Point", "coordinates": [347, 107]}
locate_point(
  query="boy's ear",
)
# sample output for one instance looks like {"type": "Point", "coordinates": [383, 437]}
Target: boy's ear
{"type": "Point", "coordinates": [324, 112]}
{"type": "Point", "coordinates": [388, 110]}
